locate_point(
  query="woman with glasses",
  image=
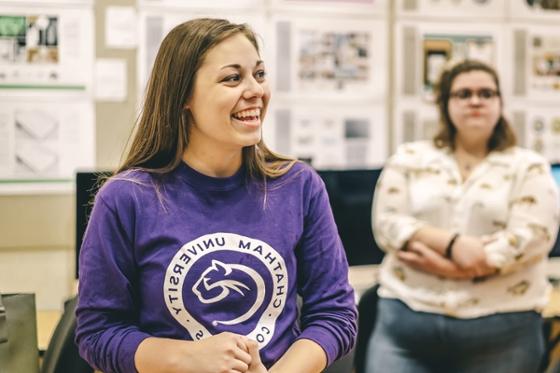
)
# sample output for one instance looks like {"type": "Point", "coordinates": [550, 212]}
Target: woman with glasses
{"type": "Point", "coordinates": [467, 221]}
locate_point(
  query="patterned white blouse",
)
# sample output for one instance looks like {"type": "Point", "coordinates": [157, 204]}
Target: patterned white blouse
{"type": "Point", "coordinates": [510, 197]}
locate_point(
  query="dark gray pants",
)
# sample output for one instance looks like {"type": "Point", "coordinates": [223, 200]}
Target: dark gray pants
{"type": "Point", "coordinates": [405, 341]}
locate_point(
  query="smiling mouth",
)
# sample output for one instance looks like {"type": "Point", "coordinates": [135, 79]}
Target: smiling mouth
{"type": "Point", "coordinates": [249, 117]}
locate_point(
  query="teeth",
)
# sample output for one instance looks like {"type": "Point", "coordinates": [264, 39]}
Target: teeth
{"type": "Point", "coordinates": [247, 113]}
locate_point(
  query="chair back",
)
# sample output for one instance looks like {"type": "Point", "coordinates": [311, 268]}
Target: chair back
{"type": "Point", "coordinates": [367, 313]}
{"type": "Point", "coordinates": [62, 353]}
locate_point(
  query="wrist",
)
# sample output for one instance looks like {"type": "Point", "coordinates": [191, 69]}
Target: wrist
{"type": "Point", "coordinates": [450, 245]}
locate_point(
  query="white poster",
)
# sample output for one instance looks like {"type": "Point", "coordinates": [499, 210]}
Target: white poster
{"type": "Point", "coordinates": [156, 24]}
{"type": "Point", "coordinates": [453, 8]}
{"type": "Point", "coordinates": [121, 29]}
{"type": "Point", "coordinates": [540, 129]}
{"type": "Point", "coordinates": [378, 7]}
{"type": "Point", "coordinates": [536, 72]}
{"type": "Point", "coordinates": [46, 48]}
{"type": "Point", "coordinates": [204, 4]}
{"type": "Point", "coordinates": [330, 58]}
{"type": "Point", "coordinates": [415, 121]}
{"type": "Point", "coordinates": [327, 138]}
{"type": "Point", "coordinates": [535, 10]}
{"type": "Point", "coordinates": [43, 142]}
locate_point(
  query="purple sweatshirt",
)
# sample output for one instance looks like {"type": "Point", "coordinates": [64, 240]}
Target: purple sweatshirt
{"type": "Point", "coordinates": [190, 256]}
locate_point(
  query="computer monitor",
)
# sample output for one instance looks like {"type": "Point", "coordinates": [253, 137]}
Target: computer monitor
{"type": "Point", "coordinates": [351, 194]}
{"type": "Point", "coordinates": [555, 252]}
{"type": "Point", "coordinates": [556, 173]}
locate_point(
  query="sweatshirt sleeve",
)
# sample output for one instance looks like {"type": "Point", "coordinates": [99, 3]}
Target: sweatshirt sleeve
{"type": "Point", "coordinates": [328, 314]}
{"type": "Point", "coordinates": [107, 333]}
{"type": "Point", "coordinates": [393, 225]}
{"type": "Point", "coordinates": [532, 225]}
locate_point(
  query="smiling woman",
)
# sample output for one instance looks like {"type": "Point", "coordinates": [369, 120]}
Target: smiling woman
{"type": "Point", "coordinates": [197, 248]}
{"type": "Point", "coordinates": [230, 98]}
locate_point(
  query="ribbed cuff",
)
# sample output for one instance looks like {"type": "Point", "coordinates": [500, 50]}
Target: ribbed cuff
{"type": "Point", "coordinates": [128, 350]}
{"type": "Point", "coordinates": [324, 339]}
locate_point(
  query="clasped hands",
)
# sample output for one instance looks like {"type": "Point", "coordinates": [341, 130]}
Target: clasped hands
{"type": "Point", "coordinates": [468, 260]}
{"type": "Point", "coordinates": [231, 353]}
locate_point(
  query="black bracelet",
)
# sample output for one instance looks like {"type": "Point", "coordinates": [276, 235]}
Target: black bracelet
{"type": "Point", "coordinates": [449, 248]}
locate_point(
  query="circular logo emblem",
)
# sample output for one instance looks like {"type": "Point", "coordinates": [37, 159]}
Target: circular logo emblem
{"type": "Point", "coordinates": [230, 281]}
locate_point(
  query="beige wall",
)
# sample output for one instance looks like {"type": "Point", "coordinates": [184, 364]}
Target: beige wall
{"type": "Point", "coordinates": [37, 231]}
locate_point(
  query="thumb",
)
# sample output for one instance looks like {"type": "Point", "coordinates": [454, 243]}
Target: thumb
{"type": "Point", "coordinates": [253, 347]}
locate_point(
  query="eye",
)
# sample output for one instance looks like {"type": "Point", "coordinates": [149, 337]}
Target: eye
{"type": "Point", "coordinates": [463, 94]}
{"type": "Point", "coordinates": [232, 78]}
{"type": "Point", "coordinates": [487, 93]}
{"type": "Point", "coordinates": [260, 75]}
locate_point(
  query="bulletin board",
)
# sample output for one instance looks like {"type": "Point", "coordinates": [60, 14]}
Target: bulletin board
{"type": "Point", "coordinates": [47, 121]}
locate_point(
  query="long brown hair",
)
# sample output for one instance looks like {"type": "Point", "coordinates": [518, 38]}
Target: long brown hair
{"type": "Point", "coordinates": [503, 136]}
{"type": "Point", "coordinates": [161, 134]}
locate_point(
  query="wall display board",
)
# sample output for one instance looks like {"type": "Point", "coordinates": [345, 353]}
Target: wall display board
{"type": "Point", "coordinates": [414, 121]}
{"type": "Point", "coordinates": [452, 8]}
{"type": "Point", "coordinates": [156, 22]}
{"type": "Point", "coordinates": [46, 107]}
{"type": "Point", "coordinates": [198, 4]}
{"type": "Point", "coordinates": [422, 50]}
{"type": "Point", "coordinates": [43, 142]}
{"type": "Point", "coordinates": [46, 47]}
{"type": "Point", "coordinates": [378, 7]}
{"type": "Point", "coordinates": [536, 70]}
{"type": "Point", "coordinates": [327, 138]}
{"type": "Point", "coordinates": [538, 128]}
{"type": "Point", "coordinates": [322, 58]}
{"type": "Point", "coordinates": [537, 10]}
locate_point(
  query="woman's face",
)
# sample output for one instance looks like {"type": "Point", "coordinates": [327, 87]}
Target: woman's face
{"type": "Point", "coordinates": [474, 105]}
{"type": "Point", "coordinates": [230, 97]}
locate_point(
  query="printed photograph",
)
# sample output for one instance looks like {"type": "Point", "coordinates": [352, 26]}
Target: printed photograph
{"type": "Point", "coordinates": [329, 140]}
{"type": "Point", "coordinates": [544, 4]}
{"type": "Point", "coordinates": [439, 48]}
{"type": "Point", "coordinates": [29, 39]}
{"type": "Point", "coordinates": [543, 134]}
{"type": "Point", "coordinates": [333, 60]}
{"type": "Point", "coordinates": [545, 63]}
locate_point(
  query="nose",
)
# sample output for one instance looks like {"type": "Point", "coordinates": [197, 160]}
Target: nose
{"type": "Point", "coordinates": [253, 89]}
{"type": "Point", "coordinates": [475, 99]}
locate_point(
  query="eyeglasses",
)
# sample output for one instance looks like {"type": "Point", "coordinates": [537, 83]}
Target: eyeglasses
{"type": "Point", "coordinates": [483, 94]}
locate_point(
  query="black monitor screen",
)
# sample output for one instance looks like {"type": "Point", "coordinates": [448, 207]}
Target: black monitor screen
{"type": "Point", "coordinates": [556, 173]}
{"type": "Point", "coordinates": [351, 194]}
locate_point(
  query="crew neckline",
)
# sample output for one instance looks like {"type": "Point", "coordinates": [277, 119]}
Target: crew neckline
{"type": "Point", "coordinates": [200, 180]}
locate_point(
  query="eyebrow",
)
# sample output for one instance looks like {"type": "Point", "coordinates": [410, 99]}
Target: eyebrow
{"type": "Point", "coordinates": [238, 66]}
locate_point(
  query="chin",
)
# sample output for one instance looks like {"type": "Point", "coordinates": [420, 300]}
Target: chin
{"type": "Point", "coordinates": [250, 141]}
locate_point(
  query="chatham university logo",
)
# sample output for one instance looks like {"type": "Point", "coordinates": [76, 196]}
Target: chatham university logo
{"type": "Point", "coordinates": [224, 281]}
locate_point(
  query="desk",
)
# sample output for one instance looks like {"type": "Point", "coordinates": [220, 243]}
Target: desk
{"type": "Point", "coordinates": [361, 278]}
{"type": "Point", "coordinates": [46, 323]}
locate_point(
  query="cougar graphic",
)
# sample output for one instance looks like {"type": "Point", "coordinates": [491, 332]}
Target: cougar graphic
{"type": "Point", "coordinates": [219, 276]}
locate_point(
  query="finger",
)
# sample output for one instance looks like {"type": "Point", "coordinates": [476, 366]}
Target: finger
{"type": "Point", "coordinates": [408, 257]}
{"type": "Point", "coordinates": [254, 352]}
{"type": "Point", "coordinates": [243, 356]}
{"type": "Point", "coordinates": [238, 365]}
{"type": "Point", "coordinates": [241, 342]}
{"type": "Point", "coordinates": [415, 246]}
